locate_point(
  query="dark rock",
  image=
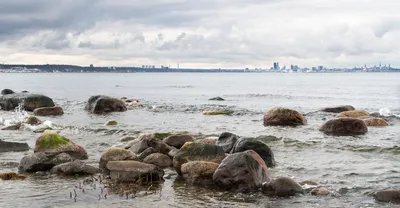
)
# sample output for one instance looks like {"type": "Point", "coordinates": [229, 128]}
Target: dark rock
{"type": "Point", "coordinates": [344, 127]}
{"type": "Point", "coordinates": [338, 109]}
{"type": "Point", "coordinates": [12, 127]}
{"type": "Point", "coordinates": [33, 121]}
{"type": "Point", "coordinates": [42, 162]}
{"type": "Point", "coordinates": [13, 146]}
{"type": "Point", "coordinates": [260, 147]}
{"type": "Point", "coordinates": [7, 92]}
{"type": "Point", "coordinates": [146, 153]}
{"type": "Point", "coordinates": [100, 104]}
{"type": "Point", "coordinates": [243, 171]}
{"type": "Point", "coordinates": [76, 167]}
{"type": "Point", "coordinates": [199, 172]}
{"type": "Point", "coordinates": [49, 111]}
{"type": "Point", "coordinates": [227, 140]}
{"type": "Point", "coordinates": [132, 171]}
{"type": "Point", "coordinates": [159, 160]}
{"type": "Point", "coordinates": [29, 101]}
{"type": "Point", "coordinates": [24, 91]}
{"type": "Point", "coordinates": [192, 151]}
{"type": "Point", "coordinates": [283, 117]}
{"type": "Point", "coordinates": [148, 140]}
{"type": "Point", "coordinates": [178, 140]}
{"type": "Point", "coordinates": [390, 195]}
{"type": "Point", "coordinates": [115, 154]}
{"type": "Point", "coordinates": [127, 139]}
{"type": "Point", "coordinates": [217, 99]}
{"type": "Point", "coordinates": [282, 186]}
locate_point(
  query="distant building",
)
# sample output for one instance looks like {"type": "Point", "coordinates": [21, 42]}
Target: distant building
{"type": "Point", "coordinates": [276, 66]}
{"type": "Point", "coordinates": [320, 68]}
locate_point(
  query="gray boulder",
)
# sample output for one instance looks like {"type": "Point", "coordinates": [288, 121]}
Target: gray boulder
{"type": "Point", "coordinates": [338, 109]}
{"type": "Point", "coordinates": [100, 104]}
{"type": "Point", "coordinates": [132, 171]}
{"type": "Point", "coordinates": [29, 101]}
{"type": "Point", "coordinates": [282, 186]}
{"type": "Point", "coordinates": [13, 146]}
{"type": "Point", "coordinates": [76, 167]}
{"type": "Point", "coordinates": [42, 162]}
{"type": "Point", "coordinates": [227, 140]}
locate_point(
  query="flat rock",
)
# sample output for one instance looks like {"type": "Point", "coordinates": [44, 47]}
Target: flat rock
{"type": "Point", "coordinates": [42, 162]}
{"type": "Point", "coordinates": [132, 171]}
{"type": "Point", "coordinates": [13, 146]}
{"type": "Point", "coordinates": [76, 167]}
{"type": "Point", "coordinates": [353, 114]}
{"type": "Point", "coordinates": [375, 122]}
{"type": "Point", "coordinates": [49, 111]}
{"type": "Point", "coordinates": [282, 186]}
{"type": "Point", "coordinates": [338, 109]}
{"type": "Point", "coordinates": [115, 154]}
{"type": "Point", "coordinates": [159, 160]}
{"type": "Point", "coordinates": [12, 127]}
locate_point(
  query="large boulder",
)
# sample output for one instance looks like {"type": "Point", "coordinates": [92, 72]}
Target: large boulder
{"type": "Point", "coordinates": [390, 195]}
{"type": "Point", "coordinates": [49, 111]}
{"type": "Point", "coordinates": [7, 92]}
{"type": "Point", "coordinates": [283, 117]}
{"type": "Point", "coordinates": [338, 109]}
{"type": "Point", "coordinates": [132, 171]}
{"type": "Point", "coordinates": [76, 167]}
{"type": "Point", "coordinates": [52, 143]}
{"type": "Point", "coordinates": [375, 122]}
{"type": "Point", "coordinates": [258, 146]}
{"type": "Point", "coordinates": [282, 186]}
{"type": "Point", "coordinates": [192, 151]}
{"type": "Point", "coordinates": [148, 140]}
{"type": "Point", "coordinates": [344, 127]}
{"type": "Point", "coordinates": [159, 160]}
{"type": "Point", "coordinates": [178, 140]}
{"type": "Point", "coordinates": [243, 171]}
{"type": "Point", "coordinates": [42, 162]}
{"type": "Point", "coordinates": [115, 154]}
{"type": "Point", "coordinates": [100, 104]}
{"type": "Point", "coordinates": [13, 146]}
{"type": "Point", "coordinates": [199, 172]}
{"type": "Point", "coordinates": [29, 101]}
{"type": "Point", "coordinates": [227, 140]}
{"type": "Point", "coordinates": [353, 114]}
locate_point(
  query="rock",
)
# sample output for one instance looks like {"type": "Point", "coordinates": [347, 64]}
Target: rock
{"type": "Point", "coordinates": [218, 112]}
{"type": "Point", "coordinates": [282, 186]}
{"type": "Point", "coordinates": [100, 104]}
{"type": "Point", "coordinates": [11, 176]}
{"type": "Point", "coordinates": [344, 127]}
{"type": "Point", "coordinates": [33, 121]}
{"type": "Point", "coordinates": [49, 111]}
{"type": "Point", "coordinates": [338, 109]}
{"type": "Point", "coordinates": [24, 91]}
{"type": "Point", "coordinates": [217, 99]}
{"type": "Point", "coordinates": [42, 162]}
{"type": "Point", "coordinates": [42, 129]}
{"type": "Point", "coordinates": [52, 143]}
{"type": "Point", "coordinates": [227, 140]}
{"type": "Point", "coordinates": [199, 172]}
{"type": "Point", "coordinates": [375, 122]}
{"type": "Point", "coordinates": [13, 146]}
{"type": "Point", "coordinates": [308, 182]}
{"type": "Point", "coordinates": [320, 191]}
{"type": "Point", "coordinates": [127, 139]}
{"type": "Point", "coordinates": [173, 152]}
{"type": "Point", "coordinates": [133, 104]}
{"type": "Point", "coordinates": [12, 127]}
{"type": "Point", "coordinates": [243, 171]}
{"type": "Point", "coordinates": [192, 151]}
{"type": "Point", "coordinates": [7, 92]}
{"type": "Point", "coordinates": [132, 171]}
{"type": "Point", "coordinates": [353, 114]}
{"type": "Point", "coordinates": [390, 195]}
{"type": "Point", "coordinates": [115, 154]}
{"type": "Point", "coordinates": [260, 147]}
{"type": "Point", "coordinates": [283, 117]}
{"type": "Point", "coordinates": [148, 140]}
{"type": "Point", "coordinates": [162, 135]}
{"type": "Point", "coordinates": [146, 153]}
{"type": "Point", "coordinates": [159, 160]}
{"type": "Point", "coordinates": [123, 98]}
{"type": "Point", "coordinates": [178, 140]}
{"type": "Point", "coordinates": [29, 101]}
{"type": "Point", "coordinates": [112, 123]}
{"type": "Point", "coordinates": [76, 167]}
{"type": "Point", "coordinates": [208, 140]}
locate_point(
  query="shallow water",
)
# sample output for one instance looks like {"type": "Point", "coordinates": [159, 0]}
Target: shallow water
{"type": "Point", "coordinates": [350, 166]}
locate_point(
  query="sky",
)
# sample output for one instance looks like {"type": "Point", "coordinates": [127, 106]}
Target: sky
{"type": "Point", "coordinates": [201, 33]}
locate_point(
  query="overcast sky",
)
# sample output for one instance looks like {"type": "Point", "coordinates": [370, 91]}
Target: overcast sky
{"type": "Point", "coordinates": [201, 33]}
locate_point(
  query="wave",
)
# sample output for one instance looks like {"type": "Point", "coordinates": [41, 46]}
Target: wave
{"type": "Point", "coordinates": [372, 149]}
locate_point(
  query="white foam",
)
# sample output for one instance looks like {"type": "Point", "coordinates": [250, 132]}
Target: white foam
{"type": "Point", "coordinates": [384, 112]}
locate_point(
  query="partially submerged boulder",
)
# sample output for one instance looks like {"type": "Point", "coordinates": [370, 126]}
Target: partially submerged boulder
{"type": "Point", "coordinates": [353, 114]}
{"type": "Point", "coordinates": [76, 167]}
{"type": "Point", "coordinates": [29, 101]}
{"type": "Point", "coordinates": [390, 195]}
{"type": "Point", "coordinates": [338, 109]}
{"type": "Point", "coordinates": [148, 140]}
{"type": "Point", "coordinates": [115, 154]}
{"type": "Point", "coordinates": [217, 99]}
{"type": "Point", "coordinates": [42, 162]}
{"type": "Point", "coordinates": [283, 117]}
{"type": "Point", "coordinates": [7, 92]}
{"type": "Point", "coordinates": [111, 123]}
{"type": "Point", "coordinates": [159, 160]}
{"type": "Point", "coordinates": [258, 146]}
{"type": "Point", "coordinates": [282, 186]}
{"type": "Point", "coordinates": [199, 172]}
{"type": "Point", "coordinates": [13, 146]}
{"type": "Point", "coordinates": [375, 122]}
{"type": "Point", "coordinates": [218, 112]}
{"type": "Point", "coordinates": [12, 127]}
{"type": "Point", "coordinates": [100, 104]}
{"type": "Point", "coordinates": [344, 127]}
{"type": "Point", "coordinates": [49, 111]}
{"type": "Point", "coordinates": [33, 121]}
{"type": "Point", "coordinates": [178, 140]}
{"type": "Point", "coordinates": [132, 171]}
{"type": "Point", "coordinates": [227, 140]}
{"type": "Point", "coordinates": [320, 191]}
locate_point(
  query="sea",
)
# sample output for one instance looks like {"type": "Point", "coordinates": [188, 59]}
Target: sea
{"type": "Point", "coordinates": [351, 167]}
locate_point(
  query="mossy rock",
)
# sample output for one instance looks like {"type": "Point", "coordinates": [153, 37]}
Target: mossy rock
{"type": "Point", "coordinates": [51, 140]}
{"type": "Point", "coordinates": [218, 112]}
{"type": "Point", "coordinates": [112, 123]}
{"type": "Point", "coordinates": [33, 121]}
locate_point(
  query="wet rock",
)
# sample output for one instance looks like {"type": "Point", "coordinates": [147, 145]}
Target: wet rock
{"type": "Point", "coordinates": [132, 104]}
{"type": "Point", "coordinates": [308, 182]}
{"type": "Point", "coordinates": [353, 114]}
{"type": "Point", "coordinates": [243, 171]}
{"type": "Point", "coordinates": [148, 140]}
{"type": "Point", "coordinates": [24, 91]}
{"type": "Point", "coordinates": [49, 111]}
{"type": "Point", "coordinates": [178, 140]}
{"type": "Point", "coordinates": [7, 92]}
{"type": "Point", "coordinates": [127, 139]}
{"type": "Point", "coordinates": [100, 104]}
{"type": "Point", "coordinates": [208, 140]}
{"type": "Point", "coordinates": [320, 191]}
{"type": "Point", "coordinates": [123, 98]}
{"type": "Point", "coordinates": [390, 195]}
{"type": "Point", "coordinates": [282, 186]}
{"type": "Point", "coordinates": [52, 143]}
{"type": "Point", "coordinates": [199, 172]}
{"type": "Point", "coordinates": [375, 122]}
{"type": "Point", "coordinates": [192, 151]}
{"type": "Point", "coordinates": [218, 112]}
{"type": "Point", "coordinates": [76, 167]}
{"type": "Point", "coordinates": [29, 101]}
{"type": "Point", "coordinates": [159, 160]}
{"type": "Point", "coordinates": [12, 127]}
{"type": "Point", "coordinates": [344, 127]}
{"type": "Point", "coordinates": [227, 140]}
{"type": "Point", "coordinates": [13, 146]}
{"type": "Point", "coordinates": [11, 176]}
{"type": "Point", "coordinates": [42, 129]}
{"type": "Point", "coordinates": [112, 123]}
{"type": "Point", "coordinates": [115, 154]}
{"type": "Point", "coordinates": [162, 135]}
{"type": "Point", "coordinates": [338, 109]}
{"type": "Point", "coordinates": [283, 117]}
{"type": "Point", "coordinates": [217, 99]}
{"type": "Point", "coordinates": [42, 162]}
{"type": "Point", "coordinates": [260, 147]}
{"type": "Point", "coordinates": [33, 121]}
{"type": "Point", "coordinates": [132, 171]}
{"type": "Point", "coordinates": [173, 152]}
{"type": "Point", "coordinates": [146, 153]}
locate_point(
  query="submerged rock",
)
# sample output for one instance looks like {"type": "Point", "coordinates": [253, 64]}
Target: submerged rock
{"type": "Point", "coordinates": [260, 147]}
{"type": "Point", "coordinates": [390, 195]}
{"type": "Point", "coordinates": [376, 122]}
{"type": "Point", "coordinates": [227, 140]}
{"type": "Point", "coordinates": [353, 114]}
{"type": "Point", "coordinates": [283, 117]}
{"type": "Point", "coordinates": [344, 127]}
{"type": "Point", "coordinates": [192, 151]}
{"type": "Point", "coordinates": [42, 162]}
{"type": "Point", "coordinates": [33, 121]}
{"type": "Point", "coordinates": [49, 111]}
{"type": "Point", "coordinates": [282, 186]}
{"type": "Point", "coordinates": [115, 154]}
{"type": "Point", "coordinates": [127, 139]}
{"type": "Point", "coordinates": [13, 146]}
{"type": "Point", "coordinates": [159, 160]}
{"type": "Point", "coordinates": [7, 92]}
{"type": "Point", "coordinates": [100, 104]}
{"type": "Point", "coordinates": [338, 109]}
{"type": "Point", "coordinates": [199, 172]}
{"type": "Point", "coordinates": [243, 171]}
{"type": "Point", "coordinates": [178, 140]}
{"type": "Point", "coordinates": [76, 167]}
{"type": "Point", "coordinates": [112, 123]}
{"type": "Point", "coordinates": [148, 140]}
{"type": "Point", "coordinates": [217, 99]}
{"type": "Point", "coordinates": [29, 101]}
{"type": "Point", "coordinates": [132, 171]}
{"type": "Point", "coordinates": [218, 112]}
{"type": "Point", "coordinates": [12, 127]}
{"type": "Point", "coordinates": [11, 176]}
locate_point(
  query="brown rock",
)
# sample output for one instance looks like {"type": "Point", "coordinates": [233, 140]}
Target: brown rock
{"type": "Point", "coordinates": [199, 172]}
{"type": "Point", "coordinates": [282, 186]}
{"type": "Point", "coordinates": [148, 140]}
{"type": "Point", "coordinates": [132, 171]}
{"type": "Point", "coordinates": [159, 160]}
{"type": "Point", "coordinates": [353, 114]}
{"type": "Point", "coordinates": [283, 117]}
{"type": "Point", "coordinates": [344, 127]}
{"type": "Point", "coordinates": [178, 140]}
{"type": "Point", "coordinates": [33, 121]}
{"type": "Point", "coordinates": [390, 195]}
{"type": "Point", "coordinates": [376, 122]}
{"type": "Point", "coordinates": [320, 191]}
{"type": "Point", "coordinates": [115, 154]}
{"type": "Point", "coordinates": [208, 140]}
{"type": "Point", "coordinates": [49, 111]}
